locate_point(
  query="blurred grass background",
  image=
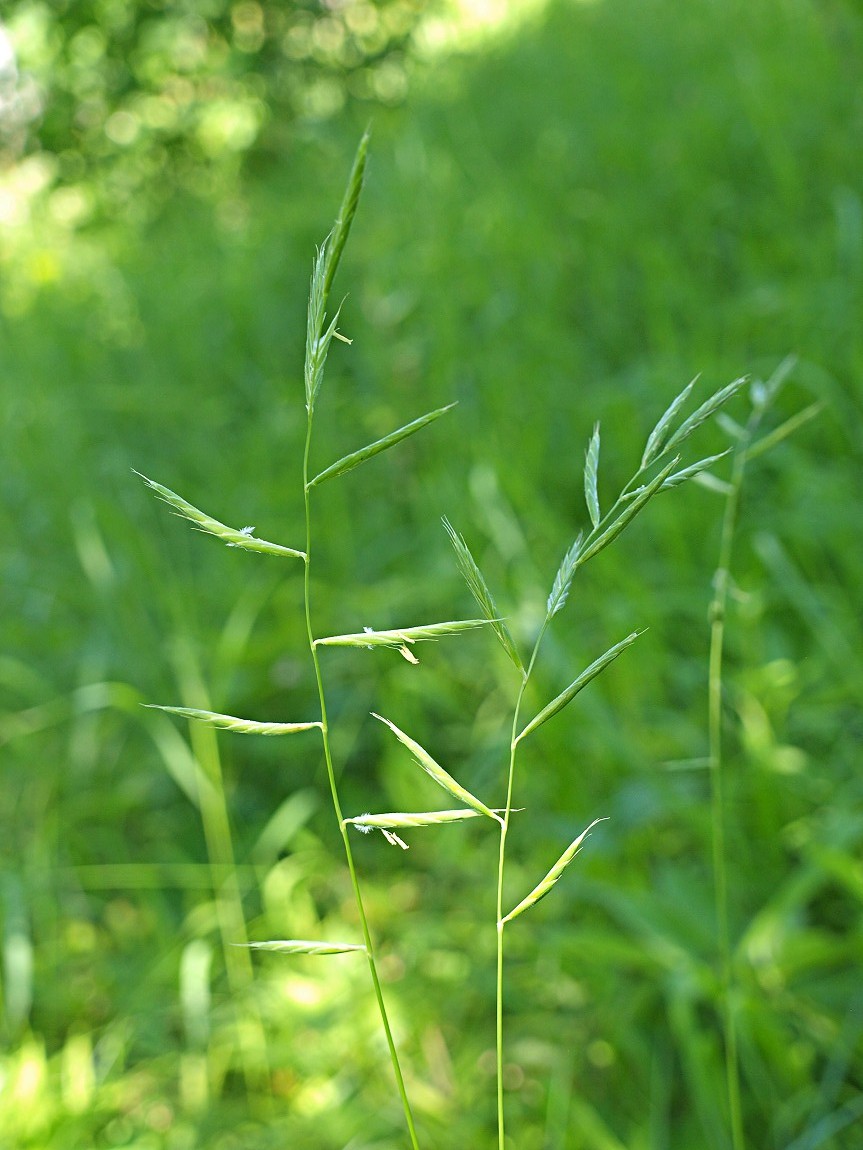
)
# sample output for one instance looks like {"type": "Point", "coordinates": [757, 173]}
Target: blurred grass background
{"type": "Point", "coordinates": [571, 209]}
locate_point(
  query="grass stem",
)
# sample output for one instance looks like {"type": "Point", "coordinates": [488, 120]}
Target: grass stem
{"type": "Point", "coordinates": [501, 867]}
{"type": "Point", "coordinates": [718, 607]}
{"type": "Point", "coordinates": [331, 778]}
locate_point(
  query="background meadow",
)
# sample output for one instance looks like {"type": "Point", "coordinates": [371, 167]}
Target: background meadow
{"type": "Point", "coordinates": [568, 213]}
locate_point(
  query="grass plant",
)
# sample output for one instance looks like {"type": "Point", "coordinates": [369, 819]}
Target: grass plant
{"type": "Point", "coordinates": [747, 447]}
{"type": "Point", "coordinates": [660, 469]}
{"type": "Point", "coordinates": [685, 194]}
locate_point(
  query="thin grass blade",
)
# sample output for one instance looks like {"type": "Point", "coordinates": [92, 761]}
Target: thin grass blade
{"type": "Point", "coordinates": [304, 946]}
{"type": "Point", "coordinates": [565, 697]}
{"type": "Point", "coordinates": [542, 888]}
{"type": "Point", "coordinates": [591, 466]}
{"type": "Point", "coordinates": [349, 462]}
{"type": "Point", "coordinates": [242, 539]}
{"type": "Point", "coordinates": [232, 723]}
{"type": "Point", "coordinates": [703, 413]}
{"type": "Point", "coordinates": [436, 771]}
{"type": "Point", "coordinates": [694, 469]}
{"type": "Point", "coordinates": [656, 439]}
{"type": "Point", "coordinates": [642, 498]}
{"type": "Point", "coordinates": [396, 638]}
{"type": "Point", "coordinates": [563, 579]}
{"type": "Point", "coordinates": [400, 819]}
{"type": "Point", "coordinates": [479, 589]}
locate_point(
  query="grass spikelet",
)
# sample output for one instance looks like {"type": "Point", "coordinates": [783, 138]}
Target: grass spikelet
{"type": "Point", "coordinates": [349, 462]}
{"type": "Point", "coordinates": [397, 638]}
{"type": "Point", "coordinates": [400, 820]}
{"type": "Point", "coordinates": [479, 589]}
{"type": "Point", "coordinates": [563, 579]}
{"type": "Point", "coordinates": [337, 238]}
{"type": "Point", "coordinates": [656, 439]}
{"type": "Point", "coordinates": [317, 347]}
{"type": "Point", "coordinates": [232, 723]}
{"type": "Point", "coordinates": [230, 535]}
{"type": "Point", "coordinates": [591, 466]}
{"type": "Point", "coordinates": [693, 470]}
{"type": "Point", "coordinates": [542, 888]}
{"type": "Point", "coordinates": [436, 771]}
{"type": "Point", "coordinates": [305, 946]}
{"type": "Point", "coordinates": [641, 499]}
{"type": "Point", "coordinates": [565, 697]}
{"type": "Point", "coordinates": [703, 413]}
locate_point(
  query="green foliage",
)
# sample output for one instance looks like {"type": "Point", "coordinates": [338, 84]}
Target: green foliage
{"type": "Point", "coordinates": [555, 230]}
{"type": "Point", "coordinates": [134, 99]}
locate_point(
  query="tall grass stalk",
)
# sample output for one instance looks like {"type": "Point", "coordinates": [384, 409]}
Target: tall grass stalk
{"type": "Point", "coordinates": [334, 793]}
{"type": "Point", "coordinates": [659, 470]}
{"type": "Point", "coordinates": [747, 447]}
{"type": "Point", "coordinates": [320, 332]}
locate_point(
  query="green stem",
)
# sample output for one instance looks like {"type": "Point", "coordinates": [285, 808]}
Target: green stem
{"type": "Point", "coordinates": [501, 866]}
{"type": "Point", "coordinates": [367, 938]}
{"type": "Point", "coordinates": [717, 796]}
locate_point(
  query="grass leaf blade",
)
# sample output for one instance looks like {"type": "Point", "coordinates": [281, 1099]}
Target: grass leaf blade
{"type": "Point", "coordinates": [229, 535]}
{"type": "Point", "coordinates": [232, 723]}
{"type": "Point", "coordinates": [656, 439]}
{"type": "Point", "coordinates": [591, 465]}
{"type": "Point", "coordinates": [349, 462]}
{"type": "Point", "coordinates": [542, 888]}
{"type": "Point", "coordinates": [565, 697]}
{"type": "Point", "coordinates": [436, 771]}
{"type": "Point", "coordinates": [479, 589]}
